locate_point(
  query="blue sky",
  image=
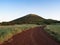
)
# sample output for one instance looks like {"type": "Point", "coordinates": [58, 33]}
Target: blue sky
{"type": "Point", "coordinates": [12, 9]}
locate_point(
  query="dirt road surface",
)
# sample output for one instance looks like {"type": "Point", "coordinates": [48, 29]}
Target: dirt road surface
{"type": "Point", "coordinates": [35, 36]}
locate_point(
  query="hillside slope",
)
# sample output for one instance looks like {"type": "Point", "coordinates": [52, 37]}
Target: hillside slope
{"type": "Point", "coordinates": [35, 36]}
{"type": "Point", "coordinates": [28, 19]}
{"type": "Point", "coordinates": [31, 19]}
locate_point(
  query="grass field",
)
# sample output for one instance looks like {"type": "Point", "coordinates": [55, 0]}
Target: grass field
{"type": "Point", "coordinates": [54, 30]}
{"type": "Point", "coordinates": [6, 32]}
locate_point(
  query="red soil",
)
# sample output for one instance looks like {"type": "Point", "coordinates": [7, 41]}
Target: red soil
{"type": "Point", "coordinates": [35, 36]}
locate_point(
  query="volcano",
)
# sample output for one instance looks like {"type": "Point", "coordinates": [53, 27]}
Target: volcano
{"type": "Point", "coordinates": [28, 19]}
{"type": "Point", "coordinates": [31, 19]}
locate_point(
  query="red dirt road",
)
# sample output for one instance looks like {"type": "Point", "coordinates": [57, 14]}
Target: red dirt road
{"type": "Point", "coordinates": [35, 36]}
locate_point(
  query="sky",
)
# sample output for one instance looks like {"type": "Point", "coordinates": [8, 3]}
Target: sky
{"type": "Point", "coordinates": [12, 9]}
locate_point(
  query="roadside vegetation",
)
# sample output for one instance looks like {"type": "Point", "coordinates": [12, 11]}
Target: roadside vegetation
{"type": "Point", "coordinates": [6, 32]}
{"type": "Point", "coordinates": [54, 31]}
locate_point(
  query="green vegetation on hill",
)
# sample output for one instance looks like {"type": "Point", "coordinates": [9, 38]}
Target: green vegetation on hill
{"type": "Point", "coordinates": [31, 19]}
{"type": "Point", "coordinates": [50, 21]}
{"type": "Point", "coordinates": [28, 19]}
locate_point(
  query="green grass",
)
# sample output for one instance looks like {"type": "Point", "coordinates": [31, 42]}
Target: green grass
{"type": "Point", "coordinates": [54, 30]}
{"type": "Point", "coordinates": [6, 32]}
